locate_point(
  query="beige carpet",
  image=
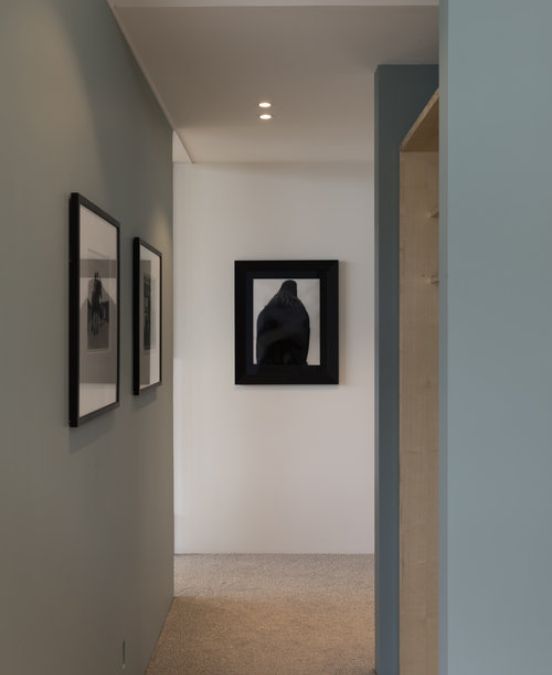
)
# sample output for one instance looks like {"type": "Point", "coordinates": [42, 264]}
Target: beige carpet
{"type": "Point", "coordinates": [269, 615]}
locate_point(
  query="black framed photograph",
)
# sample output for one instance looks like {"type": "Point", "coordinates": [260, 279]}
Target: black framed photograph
{"type": "Point", "coordinates": [93, 310]}
{"type": "Point", "coordinates": [147, 302]}
{"type": "Point", "coordinates": [286, 322]}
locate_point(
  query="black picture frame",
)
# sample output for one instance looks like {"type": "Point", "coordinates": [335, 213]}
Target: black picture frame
{"type": "Point", "coordinates": [246, 370]}
{"type": "Point", "coordinates": [138, 319]}
{"type": "Point", "coordinates": [76, 205]}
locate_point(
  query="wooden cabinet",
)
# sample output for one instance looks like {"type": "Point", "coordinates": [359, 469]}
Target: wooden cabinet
{"type": "Point", "coordinates": [419, 396]}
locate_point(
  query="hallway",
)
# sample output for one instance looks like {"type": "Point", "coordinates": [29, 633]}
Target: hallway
{"type": "Point", "coordinates": [269, 615]}
{"type": "Point", "coordinates": [276, 297]}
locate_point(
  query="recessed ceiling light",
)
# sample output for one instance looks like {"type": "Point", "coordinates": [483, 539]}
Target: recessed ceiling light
{"type": "Point", "coordinates": [265, 116]}
{"type": "Point", "coordinates": [265, 104]}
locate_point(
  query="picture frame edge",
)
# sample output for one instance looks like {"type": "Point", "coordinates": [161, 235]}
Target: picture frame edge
{"type": "Point", "coordinates": [325, 375]}
{"type": "Point", "coordinates": [76, 200]}
{"type": "Point", "coordinates": [137, 390]}
{"type": "Point", "coordinates": [74, 328]}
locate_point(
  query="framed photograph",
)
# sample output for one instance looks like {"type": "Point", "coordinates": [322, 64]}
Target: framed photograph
{"type": "Point", "coordinates": [286, 322]}
{"type": "Point", "coordinates": [147, 316]}
{"type": "Point", "coordinates": [93, 310]}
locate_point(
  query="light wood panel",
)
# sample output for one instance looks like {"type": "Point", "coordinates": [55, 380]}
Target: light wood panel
{"type": "Point", "coordinates": [419, 414]}
{"type": "Point", "coordinates": [424, 134]}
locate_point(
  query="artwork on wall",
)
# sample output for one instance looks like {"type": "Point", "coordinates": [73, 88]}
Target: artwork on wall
{"type": "Point", "coordinates": [286, 322]}
{"type": "Point", "coordinates": [93, 310]}
{"type": "Point", "coordinates": [147, 316]}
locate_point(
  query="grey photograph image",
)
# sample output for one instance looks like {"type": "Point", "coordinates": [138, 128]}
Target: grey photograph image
{"type": "Point", "coordinates": [98, 307]}
{"type": "Point", "coordinates": [147, 307]}
{"type": "Point", "coordinates": [286, 328]}
{"type": "Point", "coordinates": [98, 314]}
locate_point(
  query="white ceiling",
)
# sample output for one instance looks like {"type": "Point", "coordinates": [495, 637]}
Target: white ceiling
{"type": "Point", "coordinates": [210, 66]}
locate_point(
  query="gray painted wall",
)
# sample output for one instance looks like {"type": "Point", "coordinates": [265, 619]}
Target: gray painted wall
{"type": "Point", "coordinates": [86, 514]}
{"type": "Point", "coordinates": [401, 93]}
{"type": "Point", "coordinates": [497, 336]}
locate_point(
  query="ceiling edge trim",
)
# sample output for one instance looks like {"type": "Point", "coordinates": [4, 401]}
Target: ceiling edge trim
{"type": "Point", "coordinates": [161, 4]}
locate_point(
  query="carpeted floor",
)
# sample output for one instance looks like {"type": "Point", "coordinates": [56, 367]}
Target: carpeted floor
{"type": "Point", "coordinates": [269, 615]}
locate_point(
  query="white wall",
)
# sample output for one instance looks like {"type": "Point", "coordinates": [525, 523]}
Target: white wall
{"type": "Point", "coordinates": [266, 468]}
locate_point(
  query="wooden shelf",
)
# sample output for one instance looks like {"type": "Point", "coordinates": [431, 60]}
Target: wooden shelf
{"type": "Point", "coordinates": [424, 133]}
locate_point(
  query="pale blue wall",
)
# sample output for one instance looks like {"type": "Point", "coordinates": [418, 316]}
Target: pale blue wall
{"type": "Point", "coordinates": [400, 93]}
{"type": "Point", "coordinates": [85, 514]}
{"type": "Point", "coordinates": [496, 273]}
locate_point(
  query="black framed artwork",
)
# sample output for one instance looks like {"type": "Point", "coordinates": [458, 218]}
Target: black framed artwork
{"type": "Point", "coordinates": [286, 322]}
{"type": "Point", "coordinates": [94, 288]}
{"type": "Point", "coordinates": [147, 301]}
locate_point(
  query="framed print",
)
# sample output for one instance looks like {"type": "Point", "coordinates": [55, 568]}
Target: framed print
{"type": "Point", "coordinates": [286, 322]}
{"type": "Point", "coordinates": [147, 293]}
{"type": "Point", "coordinates": [93, 310]}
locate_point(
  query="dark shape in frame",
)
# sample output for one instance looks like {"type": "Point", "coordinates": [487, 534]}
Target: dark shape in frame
{"type": "Point", "coordinates": [283, 329]}
{"type": "Point", "coordinates": [147, 311]}
{"type": "Point", "coordinates": [98, 314]}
